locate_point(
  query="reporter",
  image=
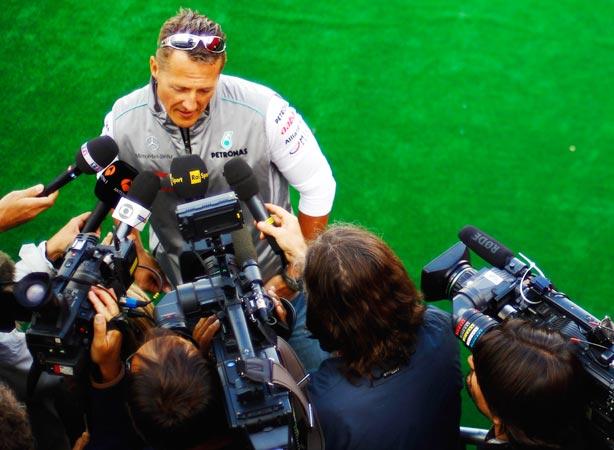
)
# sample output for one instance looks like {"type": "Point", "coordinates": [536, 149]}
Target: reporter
{"type": "Point", "coordinates": [18, 207]}
{"type": "Point", "coordinates": [527, 380]}
{"type": "Point", "coordinates": [393, 380]}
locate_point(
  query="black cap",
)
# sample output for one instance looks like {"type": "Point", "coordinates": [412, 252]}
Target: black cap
{"type": "Point", "coordinates": [240, 176]}
{"type": "Point", "coordinates": [102, 150]}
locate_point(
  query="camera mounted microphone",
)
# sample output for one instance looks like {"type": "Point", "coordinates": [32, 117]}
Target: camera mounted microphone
{"type": "Point", "coordinates": [240, 176]}
{"type": "Point", "coordinates": [92, 157]}
{"type": "Point", "coordinates": [133, 210]}
{"type": "Point", "coordinates": [189, 177]}
{"type": "Point", "coordinates": [486, 247]}
{"type": "Point", "coordinates": [113, 184]}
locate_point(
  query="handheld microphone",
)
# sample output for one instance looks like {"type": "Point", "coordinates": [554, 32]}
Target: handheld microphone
{"type": "Point", "coordinates": [113, 184]}
{"type": "Point", "coordinates": [92, 157]}
{"type": "Point", "coordinates": [133, 210]}
{"type": "Point", "coordinates": [240, 176]}
{"type": "Point", "coordinates": [485, 246]}
{"type": "Point", "coordinates": [189, 177]}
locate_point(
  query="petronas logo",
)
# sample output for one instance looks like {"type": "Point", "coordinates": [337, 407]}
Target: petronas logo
{"type": "Point", "coordinates": [227, 140]}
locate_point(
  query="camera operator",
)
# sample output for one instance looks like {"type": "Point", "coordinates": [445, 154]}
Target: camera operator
{"type": "Point", "coordinates": [167, 391]}
{"type": "Point", "coordinates": [527, 381]}
{"type": "Point", "coordinates": [393, 380]}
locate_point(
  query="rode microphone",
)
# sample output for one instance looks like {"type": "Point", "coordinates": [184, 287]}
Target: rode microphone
{"type": "Point", "coordinates": [113, 184]}
{"type": "Point", "coordinates": [189, 177]}
{"type": "Point", "coordinates": [486, 247]}
{"type": "Point", "coordinates": [133, 210]}
{"type": "Point", "coordinates": [92, 157]}
{"type": "Point", "coordinates": [240, 176]}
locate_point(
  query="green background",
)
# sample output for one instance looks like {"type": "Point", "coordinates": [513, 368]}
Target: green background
{"type": "Point", "coordinates": [433, 114]}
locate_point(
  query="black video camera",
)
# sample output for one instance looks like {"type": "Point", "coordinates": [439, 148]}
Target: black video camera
{"type": "Point", "coordinates": [514, 288]}
{"type": "Point", "coordinates": [236, 295]}
{"type": "Point", "coordinates": [61, 330]}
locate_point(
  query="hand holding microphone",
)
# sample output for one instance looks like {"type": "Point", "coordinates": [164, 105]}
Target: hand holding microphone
{"type": "Point", "coordinates": [284, 227]}
{"type": "Point", "coordinates": [18, 207]}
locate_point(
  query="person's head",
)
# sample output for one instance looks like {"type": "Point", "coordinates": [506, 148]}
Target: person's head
{"type": "Point", "coordinates": [186, 77]}
{"type": "Point", "coordinates": [174, 396]}
{"type": "Point", "coordinates": [362, 302]}
{"type": "Point", "coordinates": [15, 431]}
{"type": "Point", "coordinates": [527, 380]}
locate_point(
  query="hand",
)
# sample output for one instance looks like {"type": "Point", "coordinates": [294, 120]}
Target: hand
{"type": "Point", "coordinates": [56, 245]}
{"type": "Point", "coordinates": [82, 442]}
{"type": "Point", "coordinates": [204, 331]}
{"type": "Point", "coordinates": [107, 344]}
{"type": "Point", "coordinates": [279, 287]}
{"type": "Point", "coordinates": [18, 207]}
{"type": "Point", "coordinates": [286, 232]}
{"type": "Point", "coordinates": [278, 307]}
{"type": "Point", "coordinates": [144, 278]}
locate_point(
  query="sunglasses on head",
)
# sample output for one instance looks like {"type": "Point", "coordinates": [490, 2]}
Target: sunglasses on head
{"type": "Point", "coordinates": [187, 41]}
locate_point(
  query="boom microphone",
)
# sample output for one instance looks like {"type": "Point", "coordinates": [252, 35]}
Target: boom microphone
{"type": "Point", "coordinates": [189, 177]}
{"type": "Point", "coordinates": [240, 176]}
{"type": "Point", "coordinates": [133, 210]}
{"type": "Point", "coordinates": [486, 247]}
{"type": "Point", "coordinates": [92, 157]}
{"type": "Point", "coordinates": [113, 184]}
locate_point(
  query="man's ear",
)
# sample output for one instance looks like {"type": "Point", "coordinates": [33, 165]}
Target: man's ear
{"type": "Point", "coordinates": [153, 66]}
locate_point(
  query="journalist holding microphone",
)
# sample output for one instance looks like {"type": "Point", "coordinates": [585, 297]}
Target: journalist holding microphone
{"type": "Point", "coordinates": [393, 378]}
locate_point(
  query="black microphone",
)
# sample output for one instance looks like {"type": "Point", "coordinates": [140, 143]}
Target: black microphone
{"type": "Point", "coordinates": [133, 210]}
{"type": "Point", "coordinates": [246, 256]}
{"type": "Point", "coordinates": [486, 247]}
{"type": "Point", "coordinates": [240, 176]}
{"type": "Point", "coordinates": [189, 177]}
{"type": "Point", "coordinates": [113, 184]}
{"type": "Point", "coordinates": [92, 157]}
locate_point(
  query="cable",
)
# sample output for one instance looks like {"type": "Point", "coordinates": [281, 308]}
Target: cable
{"type": "Point", "coordinates": [532, 266]}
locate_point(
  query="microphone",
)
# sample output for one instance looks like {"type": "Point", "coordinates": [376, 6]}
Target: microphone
{"type": "Point", "coordinates": [113, 184]}
{"type": "Point", "coordinates": [189, 177]}
{"type": "Point", "coordinates": [240, 176]}
{"type": "Point", "coordinates": [133, 210]}
{"type": "Point", "coordinates": [92, 157]}
{"type": "Point", "coordinates": [245, 254]}
{"type": "Point", "coordinates": [485, 246]}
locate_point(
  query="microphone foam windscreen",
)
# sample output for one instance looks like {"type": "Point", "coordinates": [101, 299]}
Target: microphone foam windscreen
{"type": "Point", "coordinates": [144, 189]}
{"type": "Point", "coordinates": [243, 246]}
{"type": "Point", "coordinates": [95, 155]}
{"type": "Point", "coordinates": [240, 176]}
{"type": "Point", "coordinates": [189, 177]}
{"type": "Point", "coordinates": [114, 182]}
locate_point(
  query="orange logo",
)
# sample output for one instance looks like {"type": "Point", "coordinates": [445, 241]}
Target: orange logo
{"type": "Point", "coordinates": [110, 170]}
{"type": "Point", "coordinates": [125, 184]}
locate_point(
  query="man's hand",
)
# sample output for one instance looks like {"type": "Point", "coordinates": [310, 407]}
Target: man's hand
{"type": "Point", "coordinates": [56, 245]}
{"type": "Point", "coordinates": [144, 278]}
{"type": "Point", "coordinates": [204, 332]}
{"type": "Point", "coordinates": [286, 232]}
{"type": "Point", "coordinates": [18, 207]}
{"type": "Point", "coordinates": [107, 344]}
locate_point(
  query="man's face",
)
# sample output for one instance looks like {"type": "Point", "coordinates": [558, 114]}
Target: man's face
{"type": "Point", "coordinates": [473, 387]}
{"type": "Point", "coordinates": [185, 86]}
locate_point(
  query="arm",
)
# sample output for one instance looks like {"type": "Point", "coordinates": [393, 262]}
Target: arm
{"type": "Point", "coordinates": [296, 153]}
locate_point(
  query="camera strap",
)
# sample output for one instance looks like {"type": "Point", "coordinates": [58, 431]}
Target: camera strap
{"type": "Point", "coordinates": [271, 372]}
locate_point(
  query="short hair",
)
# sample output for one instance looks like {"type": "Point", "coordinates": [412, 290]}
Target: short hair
{"type": "Point", "coordinates": [361, 301]}
{"type": "Point", "coordinates": [190, 21]}
{"type": "Point", "coordinates": [532, 380]}
{"type": "Point", "coordinates": [15, 430]}
{"type": "Point", "coordinates": [175, 398]}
